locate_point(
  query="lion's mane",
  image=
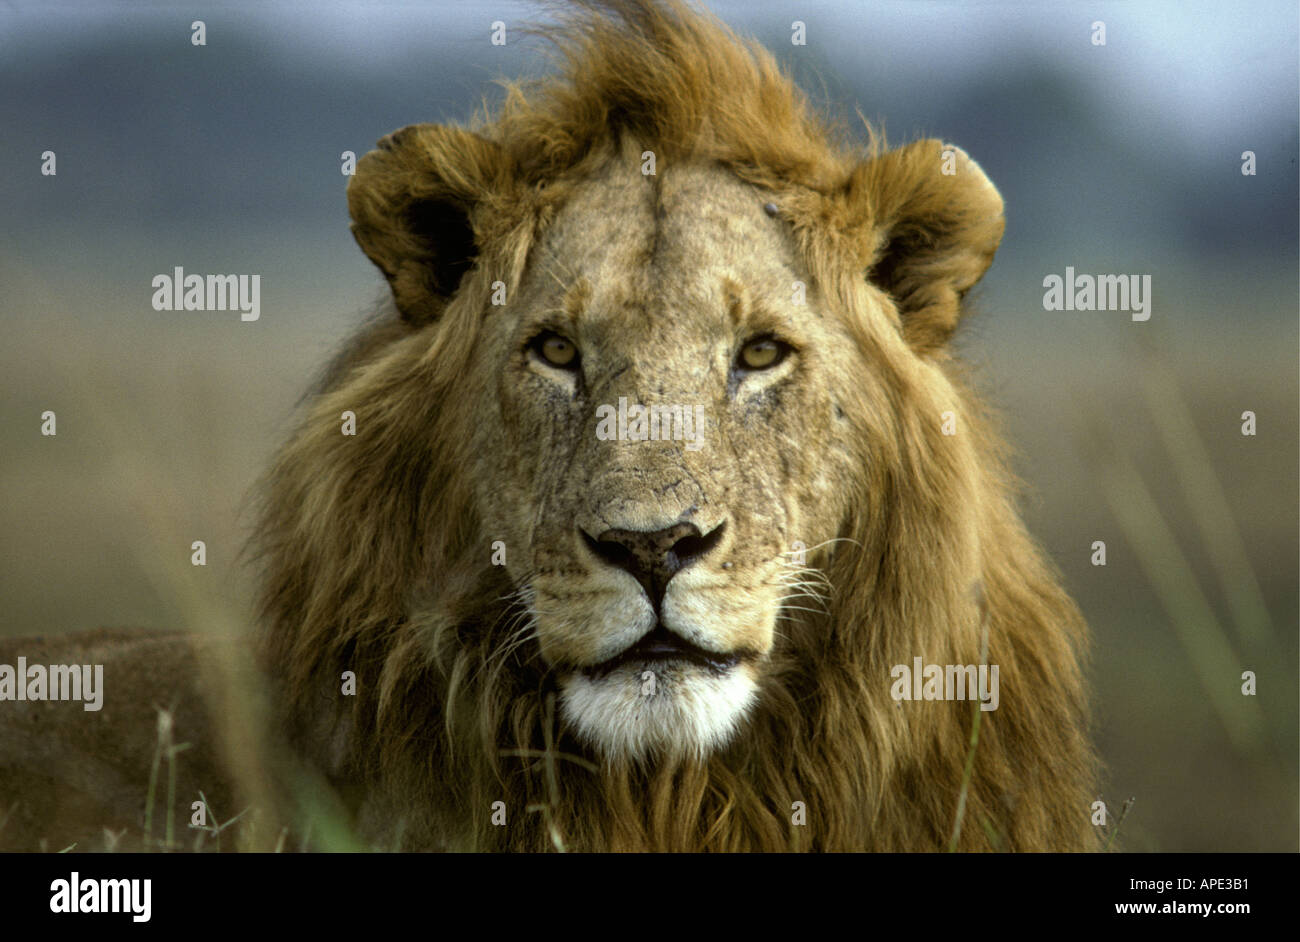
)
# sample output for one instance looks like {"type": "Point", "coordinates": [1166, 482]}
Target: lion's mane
{"type": "Point", "coordinates": [375, 561]}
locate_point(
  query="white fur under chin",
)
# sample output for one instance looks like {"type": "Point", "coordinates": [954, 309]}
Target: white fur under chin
{"type": "Point", "coordinates": [691, 712]}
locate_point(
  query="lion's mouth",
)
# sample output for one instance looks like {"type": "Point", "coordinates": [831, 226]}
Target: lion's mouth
{"type": "Point", "coordinates": [661, 646]}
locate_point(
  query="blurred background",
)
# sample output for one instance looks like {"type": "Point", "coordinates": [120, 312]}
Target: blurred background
{"type": "Point", "coordinates": [1122, 158]}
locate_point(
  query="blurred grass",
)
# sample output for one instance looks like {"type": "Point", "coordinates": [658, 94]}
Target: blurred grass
{"type": "Point", "coordinates": [163, 432]}
{"type": "Point", "coordinates": [153, 499]}
{"type": "Point", "coordinates": [1257, 735]}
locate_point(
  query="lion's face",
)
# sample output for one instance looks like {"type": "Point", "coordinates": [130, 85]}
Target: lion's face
{"type": "Point", "coordinates": [671, 415]}
{"type": "Point", "coordinates": [654, 550]}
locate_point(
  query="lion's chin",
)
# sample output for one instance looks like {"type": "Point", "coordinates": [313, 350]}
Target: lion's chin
{"type": "Point", "coordinates": [658, 710]}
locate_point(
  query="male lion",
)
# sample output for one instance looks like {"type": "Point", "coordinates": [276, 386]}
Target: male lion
{"type": "Point", "coordinates": [571, 627]}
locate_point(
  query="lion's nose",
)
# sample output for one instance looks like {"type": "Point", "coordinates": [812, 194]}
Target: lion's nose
{"type": "Point", "coordinates": [654, 556]}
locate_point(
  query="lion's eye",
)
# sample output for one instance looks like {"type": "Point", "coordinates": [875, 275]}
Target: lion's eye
{"type": "Point", "coordinates": [763, 353]}
{"type": "Point", "coordinates": [556, 350]}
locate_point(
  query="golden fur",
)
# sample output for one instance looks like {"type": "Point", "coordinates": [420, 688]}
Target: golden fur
{"type": "Point", "coordinates": [377, 547]}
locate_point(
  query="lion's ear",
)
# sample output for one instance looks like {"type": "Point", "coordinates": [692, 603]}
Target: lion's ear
{"type": "Point", "coordinates": [413, 203]}
{"type": "Point", "coordinates": [936, 221]}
